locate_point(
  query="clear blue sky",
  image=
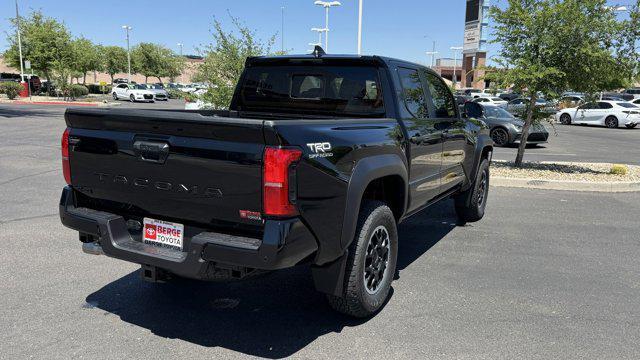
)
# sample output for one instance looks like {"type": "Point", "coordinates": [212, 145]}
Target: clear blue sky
{"type": "Point", "coordinates": [396, 30]}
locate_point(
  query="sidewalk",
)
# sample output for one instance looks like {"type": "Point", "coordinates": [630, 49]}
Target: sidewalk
{"type": "Point", "coordinates": [91, 100]}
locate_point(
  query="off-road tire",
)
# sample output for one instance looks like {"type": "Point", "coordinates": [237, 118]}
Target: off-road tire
{"type": "Point", "coordinates": [470, 204]}
{"type": "Point", "coordinates": [356, 300]}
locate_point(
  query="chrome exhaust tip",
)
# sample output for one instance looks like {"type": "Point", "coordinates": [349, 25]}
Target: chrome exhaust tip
{"type": "Point", "coordinates": [92, 248]}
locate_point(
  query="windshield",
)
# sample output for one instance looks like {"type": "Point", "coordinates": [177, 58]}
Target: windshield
{"type": "Point", "coordinates": [140, 86]}
{"type": "Point", "coordinates": [627, 105]}
{"type": "Point", "coordinates": [496, 112]}
{"type": "Point", "coordinates": [496, 99]}
{"type": "Point", "coordinates": [321, 89]}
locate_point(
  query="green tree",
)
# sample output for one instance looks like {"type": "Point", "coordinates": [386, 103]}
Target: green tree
{"type": "Point", "coordinates": [551, 46]}
{"type": "Point", "coordinates": [224, 60]}
{"type": "Point", "coordinates": [114, 60]}
{"type": "Point", "coordinates": [87, 57]}
{"type": "Point", "coordinates": [152, 60]}
{"type": "Point", "coordinates": [46, 42]}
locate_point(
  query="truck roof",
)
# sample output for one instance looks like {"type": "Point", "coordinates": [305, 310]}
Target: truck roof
{"type": "Point", "coordinates": [347, 58]}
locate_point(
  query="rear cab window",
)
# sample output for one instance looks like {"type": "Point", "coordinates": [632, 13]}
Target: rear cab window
{"type": "Point", "coordinates": [315, 89]}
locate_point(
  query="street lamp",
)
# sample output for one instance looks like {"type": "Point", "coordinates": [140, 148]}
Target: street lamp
{"type": "Point", "coordinates": [360, 27]}
{"type": "Point", "coordinates": [455, 63]}
{"type": "Point", "coordinates": [320, 31]}
{"type": "Point", "coordinates": [19, 43]}
{"type": "Point", "coordinates": [433, 51]}
{"type": "Point", "coordinates": [327, 5]}
{"type": "Point", "coordinates": [126, 29]}
{"type": "Point", "coordinates": [433, 55]}
{"type": "Point", "coordinates": [181, 45]}
{"type": "Point", "coordinates": [282, 35]}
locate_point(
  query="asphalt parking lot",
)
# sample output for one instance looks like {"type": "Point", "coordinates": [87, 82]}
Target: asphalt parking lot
{"type": "Point", "coordinates": [582, 144]}
{"type": "Point", "coordinates": [545, 275]}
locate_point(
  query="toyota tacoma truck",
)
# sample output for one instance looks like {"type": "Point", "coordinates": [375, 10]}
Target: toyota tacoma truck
{"type": "Point", "coordinates": [316, 161]}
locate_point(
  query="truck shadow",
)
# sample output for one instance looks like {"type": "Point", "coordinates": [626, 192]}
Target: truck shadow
{"type": "Point", "coordinates": [272, 316]}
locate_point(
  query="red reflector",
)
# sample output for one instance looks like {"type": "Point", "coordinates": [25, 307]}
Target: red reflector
{"type": "Point", "coordinates": [275, 180]}
{"type": "Point", "coordinates": [66, 170]}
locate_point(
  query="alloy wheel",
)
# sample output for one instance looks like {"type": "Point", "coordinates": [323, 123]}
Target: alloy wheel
{"type": "Point", "coordinates": [376, 259]}
{"type": "Point", "coordinates": [500, 137]}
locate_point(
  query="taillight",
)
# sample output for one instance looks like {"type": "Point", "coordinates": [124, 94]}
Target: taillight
{"type": "Point", "coordinates": [275, 181]}
{"type": "Point", "coordinates": [66, 170]}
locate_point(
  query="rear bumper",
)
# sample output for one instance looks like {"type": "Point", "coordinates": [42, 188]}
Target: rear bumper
{"type": "Point", "coordinates": [285, 243]}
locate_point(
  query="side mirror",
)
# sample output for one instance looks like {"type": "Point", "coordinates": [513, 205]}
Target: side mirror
{"type": "Point", "coordinates": [473, 110]}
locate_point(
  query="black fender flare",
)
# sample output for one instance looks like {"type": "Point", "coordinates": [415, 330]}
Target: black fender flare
{"type": "Point", "coordinates": [484, 142]}
{"type": "Point", "coordinates": [329, 278]}
{"type": "Point", "coordinates": [366, 171]}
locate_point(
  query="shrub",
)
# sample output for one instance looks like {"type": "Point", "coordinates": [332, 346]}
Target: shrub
{"type": "Point", "coordinates": [175, 94]}
{"type": "Point", "coordinates": [619, 169]}
{"type": "Point", "coordinates": [11, 89]}
{"type": "Point", "coordinates": [77, 90]}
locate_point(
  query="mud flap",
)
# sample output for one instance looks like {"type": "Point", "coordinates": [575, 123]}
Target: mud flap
{"type": "Point", "coordinates": [329, 278]}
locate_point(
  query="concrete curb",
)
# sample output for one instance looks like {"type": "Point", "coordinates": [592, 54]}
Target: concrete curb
{"type": "Point", "coordinates": [565, 185]}
{"type": "Point", "coordinates": [58, 103]}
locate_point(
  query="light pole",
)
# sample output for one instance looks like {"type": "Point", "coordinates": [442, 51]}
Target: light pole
{"type": "Point", "coordinates": [327, 5]}
{"type": "Point", "coordinates": [433, 55]}
{"type": "Point", "coordinates": [181, 45]}
{"type": "Point", "coordinates": [19, 43]}
{"type": "Point", "coordinates": [455, 63]}
{"type": "Point", "coordinates": [282, 35]}
{"type": "Point", "coordinates": [126, 29]}
{"type": "Point", "coordinates": [433, 51]}
{"type": "Point", "coordinates": [360, 27]}
{"type": "Point", "coordinates": [319, 31]}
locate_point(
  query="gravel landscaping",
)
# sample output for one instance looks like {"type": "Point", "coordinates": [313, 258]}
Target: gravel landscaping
{"type": "Point", "coordinates": [590, 172]}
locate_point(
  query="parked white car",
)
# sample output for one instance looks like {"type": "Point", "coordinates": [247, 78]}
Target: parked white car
{"type": "Point", "coordinates": [491, 100]}
{"type": "Point", "coordinates": [132, 93]}
{"type": "Point", "coordinates": [612, 114]}
{"type": "Point", "coordinates": [159, 94]}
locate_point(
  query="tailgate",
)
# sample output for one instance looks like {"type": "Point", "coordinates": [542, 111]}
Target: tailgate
{"type": "Point", "coordinates": [172, 165]}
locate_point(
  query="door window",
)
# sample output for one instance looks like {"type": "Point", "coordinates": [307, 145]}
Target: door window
{"type": "Point", "coordinates": [604, 105]}
{"type": "Point", "coordinates": [412, 94]}
{"type": "Point", "coordinates": [444, 105]}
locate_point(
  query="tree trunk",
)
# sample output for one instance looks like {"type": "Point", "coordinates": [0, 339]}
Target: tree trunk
{"type": "Point", "coordinates": [525, 130]}
{"type": "Point", "coordinates": [111, 78]}
{"type": "Point", "coordinates": [145, 79]}
{"type": "Point", "coordinates": [84, 79]}
{"type": "Point", "coordinates": [159, 80]}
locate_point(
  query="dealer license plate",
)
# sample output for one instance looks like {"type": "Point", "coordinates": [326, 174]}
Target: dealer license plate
{"type": "Point", "coordinates": [163, 233]}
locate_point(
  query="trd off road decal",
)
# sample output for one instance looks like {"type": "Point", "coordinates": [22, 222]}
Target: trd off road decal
{"type": "Point", "coordinates": [320, 150]}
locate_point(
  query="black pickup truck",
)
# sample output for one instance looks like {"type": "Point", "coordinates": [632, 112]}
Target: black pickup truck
{"type": "Point", "coordinates": [317, 160]}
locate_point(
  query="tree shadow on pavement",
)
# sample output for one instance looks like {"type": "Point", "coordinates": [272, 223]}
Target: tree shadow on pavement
{"type": "Point", "coordinates": [272, 316]}
{"type": "Point", "coordinates": [7, 112]}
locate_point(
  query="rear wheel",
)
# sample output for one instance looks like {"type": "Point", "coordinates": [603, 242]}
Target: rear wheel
{"type": "Point", "coordinates": [500, 136]}
{"type": "Point", "coordinates": [611, 122]}
{"type": "Point", "coordinates": [565, 119]}
{"type": "Point", "coordinates": [371, 262]}
{"type": "Point", "coordinates": [471, 203]}
{"type": "Point", "coordinates": [631, 126]}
